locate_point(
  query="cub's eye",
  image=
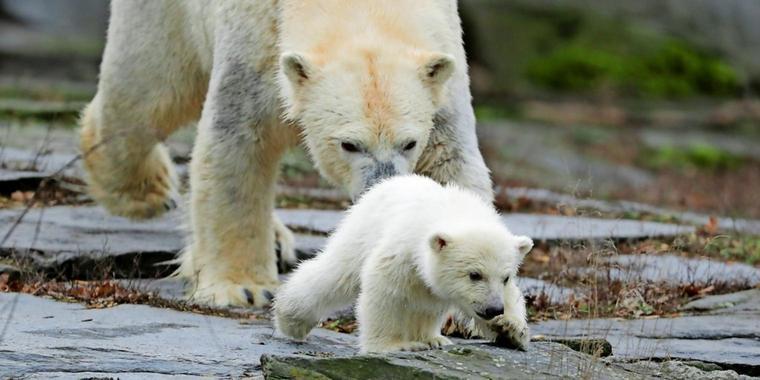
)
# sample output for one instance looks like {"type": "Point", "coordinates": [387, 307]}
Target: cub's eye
{"type": "Point", "coordinates": [350, 147]}
{"type": "Point", "coordinates": [475, 276]}
{"type": "Point", "coordinates": [506, 280]}
{"type": "Point", "coordinates": [410, 145]}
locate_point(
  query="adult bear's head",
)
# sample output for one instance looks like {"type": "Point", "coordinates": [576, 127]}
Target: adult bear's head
{"type": "Point", "coordinates": [365, 115]}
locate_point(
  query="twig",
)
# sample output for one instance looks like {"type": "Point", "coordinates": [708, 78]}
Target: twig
{"type": "Point", "coordinates": [43, 183]}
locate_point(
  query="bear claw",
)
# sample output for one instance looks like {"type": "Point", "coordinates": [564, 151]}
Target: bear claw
{"type": "Point", "coordinates": [248, 296]}
{"type": "Point", "coordinates": [169, 205]}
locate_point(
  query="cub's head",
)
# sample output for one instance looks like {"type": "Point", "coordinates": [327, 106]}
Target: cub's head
{"type": "Point", "coordinates": [365, 116]}
{"type": "Point", "coordinates": [472, 266]}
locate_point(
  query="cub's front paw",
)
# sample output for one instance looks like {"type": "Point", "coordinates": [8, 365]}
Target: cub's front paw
{"type": "Point", "coordinates": [294, 328]}
{"type": "Point", "coordinates": [511, 332]}
{"type": "Point", "coordinates": [233, 294]}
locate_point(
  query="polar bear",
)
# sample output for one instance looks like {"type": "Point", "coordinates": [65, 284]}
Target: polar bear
{"type": "Point", "coordinates": [410, 250]}
{"type": "Point", "coordinates": [373, 89]}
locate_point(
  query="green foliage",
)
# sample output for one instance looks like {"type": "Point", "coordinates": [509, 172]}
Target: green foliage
{"type": "Point", "coordinates": [697, 156]}
{"type": "Point", "coordinates": [574, 68]}
{"type": "Point", "coordinates": [743, 248]}
{"type": "Point", "coordinates": [485, 112]}
{"type": "Point", "coordinates": [672, 70]}
{"type": "Point", "coordinates": [677, 70]}
{"type": "Point", "coordinates": [564, 49]}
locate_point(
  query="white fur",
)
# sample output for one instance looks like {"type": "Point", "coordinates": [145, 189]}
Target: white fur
{"type": "Point", "coordinates": [255, 75]}
{"type": "Point", "coordinates": [406, 251]}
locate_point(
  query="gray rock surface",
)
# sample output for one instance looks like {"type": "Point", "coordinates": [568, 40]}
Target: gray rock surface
{"type": "Point", "coordinates": [40, 109]}
{"type": "Point", "coordinates": [675, 369]}
{"type": "Point", "coordinates": [38, 163]}
{"type": "Point", "coordinates": [552, 228]}
{"type": "Point", "coordinates": [726, 224]}
{"type": "Point", "coordinates": [466, 361]}
{"type": "Point", "coordinates": [747, 301]}
{"type": "Point", "coordinates": [78, 238]}
{"type": "Point", "coordinates": [539, 227]}
{"type": "Point", "coordinates": [545, 157]}
{"type": "Point", "coordinates": [10, 178]}
{"type": "Point", "coordinates": [556, 294]}
{"type": "Point", "coordinates": [48, 339]}
{"type": "Point", "coordinates": [438, 365]}
{"type": "Point", "coordinates": [730, 340]}
{"type": "Point", "coordinates": [680, 270]}
{"type": "Point", "coordinates": [173, 289]}
{"type": "Point", "coordinates": [45, 336]}
{"type": "Point", "coordinates": [727, 333]}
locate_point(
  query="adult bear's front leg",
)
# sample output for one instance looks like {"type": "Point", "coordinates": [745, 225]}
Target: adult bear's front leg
{"type": "Point", "coordinates": [231, 259]}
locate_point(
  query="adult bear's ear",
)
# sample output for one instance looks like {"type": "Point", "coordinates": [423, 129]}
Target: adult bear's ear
{"type": "Point", "coordinates": [437, 69]}
{"type": "Point", "coordinates": [297, 68]}
{"type": "Point", "coordinates": [439, 242]}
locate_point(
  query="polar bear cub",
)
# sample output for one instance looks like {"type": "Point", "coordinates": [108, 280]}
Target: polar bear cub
{"type": "Point", "coordinates": [411, 250]}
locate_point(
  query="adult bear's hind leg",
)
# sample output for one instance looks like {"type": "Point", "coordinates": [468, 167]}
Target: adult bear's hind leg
{"type": "Point", "coordinates": [145, 92]}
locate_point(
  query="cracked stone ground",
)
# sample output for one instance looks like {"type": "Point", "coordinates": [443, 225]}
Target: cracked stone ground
{"type": "Point", "coordinates": [615, 289]}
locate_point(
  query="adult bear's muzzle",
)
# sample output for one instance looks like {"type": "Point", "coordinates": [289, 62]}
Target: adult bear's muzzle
{"type": "Point", "coordinates": [381, 171]}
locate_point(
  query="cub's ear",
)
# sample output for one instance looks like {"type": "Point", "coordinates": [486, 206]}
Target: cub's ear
{"type": "Point", "coordinates": [439, 242]}
{"type": "Point", "coordinates": [437, 69]}
{"type": "Point", "coordinates": [297, 68]}
{"type": "Point", "coordinates": [524, 244]}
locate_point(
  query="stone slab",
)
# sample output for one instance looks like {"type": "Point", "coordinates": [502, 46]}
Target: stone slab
{"type": "Point", "coordinates": [42, 163]}
{"type": "Point", "coordinates": [45, 336]}
{"type": "Point", "coordinates": [13, 176]}
{"type": "Point", "coordinates": [78, 238]}
{"type": "Point", "coordinates": [680, 270]}
{"type": "Point", "coordinates": [465, 361]}
{"type": "Point", "coordinates": [40, 109]}
{"type": "Point", "coordinates": [747, 301]}
{"type": "Point", "coordinates": [173, 289]}
{"type": "Point", "coordinates": [731, 340]}
{"type": "Point", "coordinates": [726, 224]}
{"type": "Point", "coordinates": [534, 287]}
{"type": "Point", "coordinates": [539, 227]}
{"type": "Point", "coordinates": [48, 339]}
{"type": "Point", "coordinates": [58, 234]}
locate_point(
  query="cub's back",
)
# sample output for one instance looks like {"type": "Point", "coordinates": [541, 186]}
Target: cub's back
{"type": "Point", "coordinates": [414, 202]}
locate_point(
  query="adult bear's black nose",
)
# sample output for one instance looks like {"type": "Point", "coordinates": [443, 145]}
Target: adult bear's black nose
{"type": "Point", "coordinates": [491, 312]}
{"type": "Point", "coordinates": [381, 171]}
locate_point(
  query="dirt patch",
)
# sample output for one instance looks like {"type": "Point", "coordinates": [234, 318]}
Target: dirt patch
{"type": "Point", "coordinates": [106, 293]}
{"type": "Point", "coordinates": [600, 292]}
{"type": "Point", "coordinates": [46, 193]}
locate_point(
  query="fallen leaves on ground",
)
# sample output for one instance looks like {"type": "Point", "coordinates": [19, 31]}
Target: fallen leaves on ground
{"type": "Point", "coordinates": [342, 325]}
{"type": "Point", "coordinates": [108, 293]}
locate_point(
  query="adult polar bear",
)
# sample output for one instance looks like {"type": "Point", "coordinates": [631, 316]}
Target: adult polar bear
{"type": "Point", "coordinates": [375, 88]}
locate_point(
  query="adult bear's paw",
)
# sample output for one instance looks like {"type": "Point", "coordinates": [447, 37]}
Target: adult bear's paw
{"type": "Point", "coordinates": [227, 293]}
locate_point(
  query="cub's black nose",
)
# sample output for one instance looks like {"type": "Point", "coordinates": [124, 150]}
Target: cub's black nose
{"type": "Point", "coordinates": [491, 312]}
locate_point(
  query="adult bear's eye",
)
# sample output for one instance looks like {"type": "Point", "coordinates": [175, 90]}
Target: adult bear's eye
{"type": "Point", "coordinates": [410, 145]}
{"type": "Point", "coordinates": [475, 276]}
{"type": "Point", "coordinates": [506, 280]}
{"type": "Point", "coordinates": [349, 147]}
